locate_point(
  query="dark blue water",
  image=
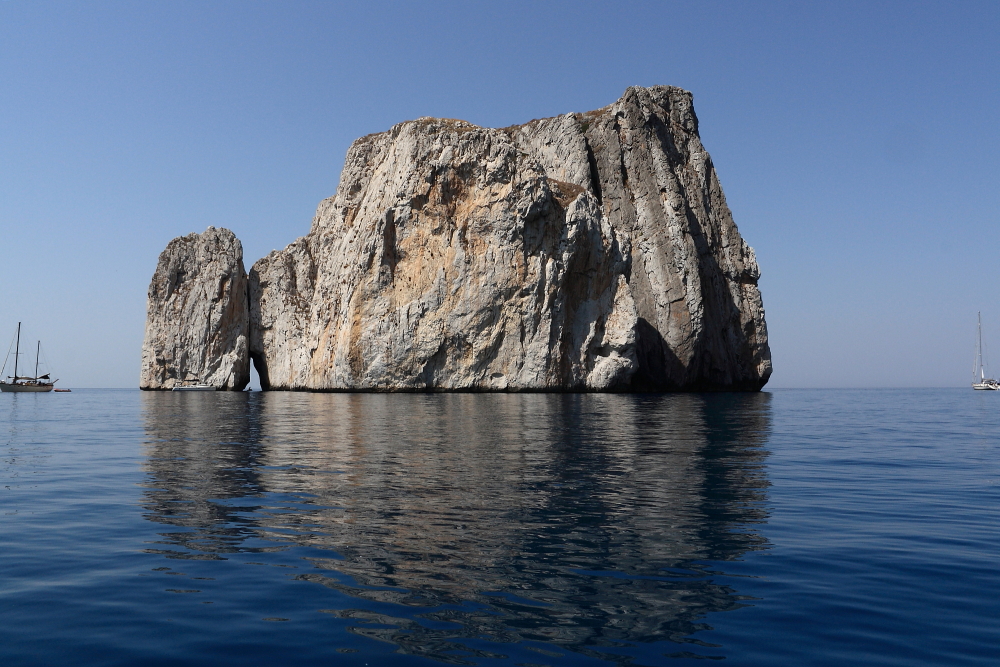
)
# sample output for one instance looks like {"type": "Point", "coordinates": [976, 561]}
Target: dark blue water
{"type": "Point", "coordinates": [784, 528]}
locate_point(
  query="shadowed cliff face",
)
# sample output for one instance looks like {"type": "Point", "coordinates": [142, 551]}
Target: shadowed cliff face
{"type": "Point", "coordinates": [585, 252]}
{"type": "Point", "coordinates": [576, 521]}
{"type": "Point", "coordinates": [693, 277]}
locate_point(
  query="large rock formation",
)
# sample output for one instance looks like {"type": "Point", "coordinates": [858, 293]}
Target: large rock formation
{"type": "Point", "coordinates": [584, 252]}
{"type": "Point", "coordinates": [196, 315]}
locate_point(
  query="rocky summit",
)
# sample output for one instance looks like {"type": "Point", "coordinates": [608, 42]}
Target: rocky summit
{"type": "Point", "coordinates": [586, 252]}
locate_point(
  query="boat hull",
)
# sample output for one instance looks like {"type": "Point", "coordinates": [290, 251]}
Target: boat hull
{"type": "Point", "coordinates": [197, 387]}
{"type": "Point", "coordinates": [25, 387]}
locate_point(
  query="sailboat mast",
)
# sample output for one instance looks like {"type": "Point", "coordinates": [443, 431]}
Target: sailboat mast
{"type": "Point", "coordinates": [979, 346]}
{"type": "Point", "coordinates": [17, 350]}
{"type": "Point", "coordinates": [37, 352]}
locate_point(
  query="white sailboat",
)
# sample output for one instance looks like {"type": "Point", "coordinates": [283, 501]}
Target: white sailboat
{"type": "Point", "coordinates": [17, 382]}
{"type": "Point", "coordinates": [979, 379]}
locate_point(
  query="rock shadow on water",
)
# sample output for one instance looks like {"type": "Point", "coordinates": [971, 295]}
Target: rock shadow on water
{"type": "Point", "coordinates": [586, 523]}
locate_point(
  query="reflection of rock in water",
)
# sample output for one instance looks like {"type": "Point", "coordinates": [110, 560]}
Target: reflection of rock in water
{"type": "Point", "coordinates": [202, 449]}
{"type": "Point", "coordinates": [561, 512]}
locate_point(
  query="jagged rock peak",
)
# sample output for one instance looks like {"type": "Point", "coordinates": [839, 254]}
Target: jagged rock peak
{"type": "Point", "coordinates": [197, 314]}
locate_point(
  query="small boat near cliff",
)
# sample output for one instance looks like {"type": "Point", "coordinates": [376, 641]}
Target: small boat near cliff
{"type": "Point", "coordinates": [25, 383]}
{"type": "Point", "coordinates": [979, 379]}
{"type": "Point", "coordinates": [194, 387]}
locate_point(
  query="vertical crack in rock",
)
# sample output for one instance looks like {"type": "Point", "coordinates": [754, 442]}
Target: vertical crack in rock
{"type": "Point", "coordinates": [693, 277]}
{"type": "Point", "coordinates": [589, 251]}
{"type": "Point", "coordinates": [197, 323]}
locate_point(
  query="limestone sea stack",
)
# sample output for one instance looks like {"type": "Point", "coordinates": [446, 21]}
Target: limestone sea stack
{"type": "Point", "coordinates": [588, 251]}
{"type": "Point", "coordinates": [197, 315]}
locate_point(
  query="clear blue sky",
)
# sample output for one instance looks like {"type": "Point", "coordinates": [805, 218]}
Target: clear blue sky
{"type": "Point", "coordinates": [858, 145]}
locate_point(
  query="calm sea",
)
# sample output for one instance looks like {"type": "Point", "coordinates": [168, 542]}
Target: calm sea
{"type": "Point", "coordinates": [783, 528]}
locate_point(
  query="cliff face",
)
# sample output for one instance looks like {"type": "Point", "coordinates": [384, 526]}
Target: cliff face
{"type": "Point", "coordinates": [584, 252]}
{"type": "Point", "coordinates": [447, 260]}
{"type": "Point", "coordinates": [693, 278]}
{"type": "Point", "coordinates": [197, 314]}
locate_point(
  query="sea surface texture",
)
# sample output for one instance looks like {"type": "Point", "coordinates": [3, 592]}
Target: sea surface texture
{"type": "Point", "coordinates": [781, 528]}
